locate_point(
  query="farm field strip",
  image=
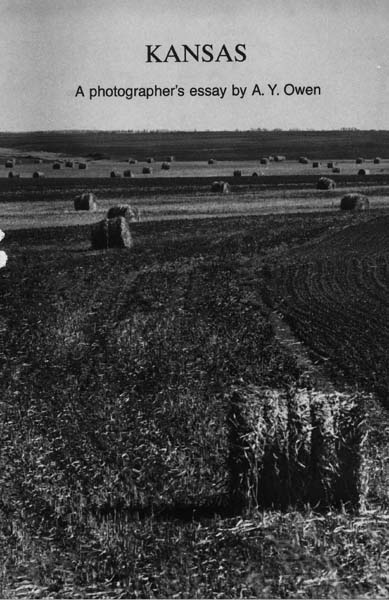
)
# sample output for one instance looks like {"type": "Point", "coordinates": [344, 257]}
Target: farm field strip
{"type": "Point", "coordinates": [335, 295]}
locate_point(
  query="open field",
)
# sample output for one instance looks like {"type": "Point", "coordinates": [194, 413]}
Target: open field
{"type": "Point", "coordinates": [115, 445]}
{"type": "Point", "coordinates": [200, 146]}
{"type": "Point", "coordinates": [206, 413]}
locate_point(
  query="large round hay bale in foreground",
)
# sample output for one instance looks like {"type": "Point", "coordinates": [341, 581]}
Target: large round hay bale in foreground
{"type": "Point", "coordinates": [123, 210]}
{"type": "Point", "coordinates": [85, 201]}
{"type": "Point", "coordinates": [325, 183]}
{"type": "Point", "coordinates": [221, 186]}
{"type": "Point", "coordinates": [38, 175]}
{"type": "Point", "coordinates": [363, 172]}
{"type": "Point", "coordinates": [111, 233]}
{"type": "Point", "coordinates": [354, 202]}
{"type": "Point", "coordinates": [296, 447]}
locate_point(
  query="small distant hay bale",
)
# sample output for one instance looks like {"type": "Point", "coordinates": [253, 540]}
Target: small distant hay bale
{"type": "Point", "coordinates": [359, 160]}
{"type": "Point", "coordinates": [354, 201]}
{"type": "Point", "coordinates": [38, 161]}
{"type": "Point", "coordinates": [111, 233]}
{"type": "Point", "coordinates": [150, 159]}
{"type": "Point", "coordinates": [10, 163]}
{"type": "Point", "coordinates": [170, 158]}
{"type": "Point", "coordinates": [124, 210]}
{"type": "Point", "coordinates": [237, 173]}
{"type": "Point", "coordinates": [221, 186]}
{"type": "Point", "coordinates": [377, 160]}
{"type": "Point", "coordinates": [115, 174]}
{"type": "Point", "coordinates": [363, 172]}
{"type": "Point", "coordinates": [85, 201]}
{"type": "Point", "coordinates": [271, 158]}
{"type": "Point", "coordinates": [147, 170]}
{"type": "Point", "coordinates": [57, 166]}
{"type": "Point", "coordinates": [211, 161]}
{"type": "Point", "coordinates": [69, 164]}
{"type": "Point", "coordinates": [316, 164]}
{"type": "Point", "coordinates": [264, 161]}
{"type": "Point", "coordinates": [3, 259]}
{"type": "Point", "coordinates": [297, 447]}
{"type": "Point", "coordinates": [132, 161]}
{"type": "Point", "coordinates": [331, 165]}
{"type": "Point", "coordinates": [38, 175]}
{"type": "Point", "coordinates": [82, 165]}
{"type": "Point", "coordinates": [279, 158]}
{"type": "Point", "coordinates": [336, 170]}
{"type": "Point", "coordinates": [165, 166]}
{"type": "Point", "coordinates": [304, 160]}
{"type": "Point", "coordinates": [325, 183]}
{"type": "Point", "coordinates": [13, 175]}
{"type": "Point", "coordinates": [254, 174]}
{"type": "Point", "coordinates": [128, 173]}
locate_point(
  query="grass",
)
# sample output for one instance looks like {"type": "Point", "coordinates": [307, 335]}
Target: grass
{"type": "Point", "coordinates": [115, 439]}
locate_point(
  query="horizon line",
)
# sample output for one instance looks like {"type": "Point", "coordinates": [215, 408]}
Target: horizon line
{"type": "Point", "coordinates": [148, 131]}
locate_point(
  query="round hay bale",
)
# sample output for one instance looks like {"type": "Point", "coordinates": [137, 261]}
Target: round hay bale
{"type": "Point", "coordinates": [128, 173]}
{"type": "Point", "coordinates": [331, 165]}
{"type": "Point", "coordinates": [82, 165]}
{"type": "Point", "coordinates": [221, 187]}
{"type": "Point", "coordinates": [3, 259]}
{"type": "Point", "coordinates": [38, 161]}
{"type": "Point", "coordinates": [359, 160]}
{"type": "Point", "coordinates": [38, 175]}
{"type": "Point", "coordinates": [165, 166]}
{"type": "Point", "coordinates": [296, 447]}
{"type": "Point", "coordinates": [170, 159]}
{"type": "Point", "coordinates": [132, 161]}
{"type": "Point", "coordinates": [237, 173]}
{"type": "Point", "coordinates": [115, 174]}
{"type": "Point", "coordinates": [13, 175]}
{"type": "Point", "coordinates": [336, 170]}
{"type": "Point", "coordinates": [363, 172]}
{"type": "Point", "coordinates": [254, 174]}
{"type": "Point", "coordinates": [279, 158]}
{"type": "Point", "coordinates": [354, 201]}
{"type": "Point", "coordinates": [111, 233]}
{"type": "Point", "coordinates": [57, 166]}
{"type": "Point", "coordinates": [10, 163]}
{"type": "Point", "coordinates": [304, 160]}
{"type": "Point", "coordinates": [377, 160]}
{"type": "Point", "coordinates": [85, 201]}
{"type": "Point", "coordinates": [147, 170]}
{"type": "Point", "coordinates": [123, 210]}
{"type": "Point", "coordinates": [150, 159]}
{"type": "Point", "coordinates": [316, 164]}
{"type": "Point", "coordinates": [69, 164]}
{"type": "Point", "coordinates": [271, 158]}
{"type": "Point", "coordinates": [325, 183]}
{"type": "Point", "coordinates": [211, 161]}
{"type": "Point", "coordinates": [264, 161]}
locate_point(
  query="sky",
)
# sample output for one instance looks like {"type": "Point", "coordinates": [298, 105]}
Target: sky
{"type": "Point", "coordinates": [50, 47]}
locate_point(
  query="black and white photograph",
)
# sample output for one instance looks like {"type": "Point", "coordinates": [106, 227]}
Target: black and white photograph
{"type": "Point", "coordinates": [194, 299]}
